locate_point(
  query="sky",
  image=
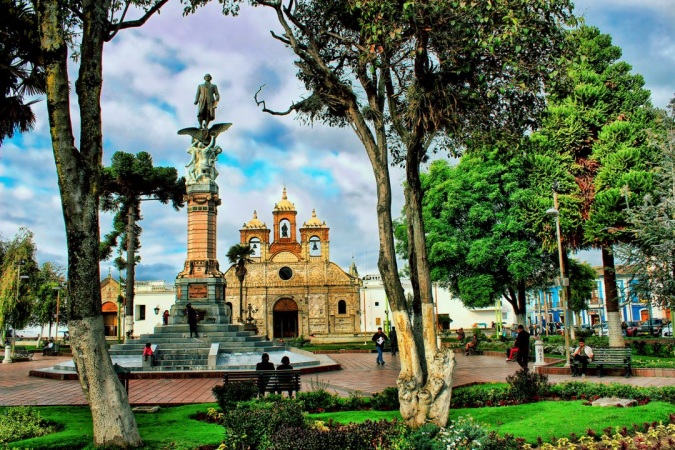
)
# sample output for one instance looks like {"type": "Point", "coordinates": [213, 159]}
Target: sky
{"type": "Point", "coordinates": [150, 79]}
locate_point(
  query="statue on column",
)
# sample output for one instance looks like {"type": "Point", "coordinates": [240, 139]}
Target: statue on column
{"type": "Point", "coordinates": [203, 149]}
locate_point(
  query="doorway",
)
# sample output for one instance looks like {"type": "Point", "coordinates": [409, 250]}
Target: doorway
{"type": "Point", "coordinates": [285, 319]}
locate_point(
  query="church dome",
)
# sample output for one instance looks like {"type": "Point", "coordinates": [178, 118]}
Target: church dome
{"type": "Point", "coordinates": [284, 204]}
{"type": "Point", "coordinates": [314, 221]}
{"type": "Point", "coordinates": [255, 222]}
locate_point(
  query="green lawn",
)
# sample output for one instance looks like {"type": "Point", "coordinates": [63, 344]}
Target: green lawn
{"type": "Point", "coordinates": [172, 427]}
{"type": "Point", "coordinates": [169, 428]}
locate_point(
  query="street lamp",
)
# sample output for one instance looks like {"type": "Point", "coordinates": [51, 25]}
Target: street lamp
{"type": "Point", "coordinates": [563, 281]}
{"type": "Point", "coordinates": [58, 303]}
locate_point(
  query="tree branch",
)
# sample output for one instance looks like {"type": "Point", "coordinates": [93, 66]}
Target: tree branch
{"type": "Point", "coordinates": [293, 107]}
{"type": "Point", "coordinates": [139, 22]}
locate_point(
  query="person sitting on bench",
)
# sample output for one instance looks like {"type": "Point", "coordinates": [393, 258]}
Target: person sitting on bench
{"type": "Point", "coordinates": [472, 345]}
{"type": "Point", "coordinates": [49, 347]}
{"type": "Point", "coordinates": [265, 364]}
{"type": "Point", "coordinates": [284, 382]}
{"type": "Point", "coordinates": [583, 354]}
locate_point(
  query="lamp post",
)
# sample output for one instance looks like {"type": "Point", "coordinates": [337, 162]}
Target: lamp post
{"type": "Point", "coordinates": [58, 303]}
{"type": "Point", "coordinates": [563, 281]}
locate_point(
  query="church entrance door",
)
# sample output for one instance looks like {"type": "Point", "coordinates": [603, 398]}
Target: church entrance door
{"type": "Point", "coordinates": [285, 318]}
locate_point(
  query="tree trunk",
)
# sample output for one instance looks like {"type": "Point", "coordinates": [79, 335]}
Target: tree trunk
{"type": "Point", "coordinates": [612, 299]}
{"type": "Point", "coordinates": [113, 421]}
{"type": "Point", "coordinates": [425, 390]}
{"type": "Point", "coordinates": [131, 273]}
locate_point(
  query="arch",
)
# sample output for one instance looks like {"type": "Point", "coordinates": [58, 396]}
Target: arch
{"type": "Point", "coordinates": [255, 246]}
{"type": "Point", "coordinates": [109, 310]}
{"type": "Point", "coordinates": [342, 307]}
{"type": "Point", "coordinates": [285, 319]}
{"type": "Point", "coordinates": [314, 246]}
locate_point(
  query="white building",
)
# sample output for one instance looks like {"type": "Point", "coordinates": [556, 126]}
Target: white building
{"type": "Point", "coordinates": [376, 312]}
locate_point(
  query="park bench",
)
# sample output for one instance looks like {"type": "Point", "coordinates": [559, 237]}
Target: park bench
{"type": "Point", "coordinates": [21, 352]}
{"type": "Point", "coordinates": [267, 380]}
{"type": "Point", "coordinates": [607, 356]}
{"type": "Point", "coordinates": [54, 351]}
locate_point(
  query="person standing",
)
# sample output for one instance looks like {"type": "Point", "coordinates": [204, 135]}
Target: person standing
{"type": "Point", "coordinates": [394, 341]}
{"type": "Point", "coordinates": [379, 338]}
{"type": "Point", "coordinates": [165, 317]}
{"type": "Point", "coordinates": [583, 354]}
{"type": "Point", "coordinates": [192, 320]}
{"type": "Point", "coordinates": [523, 345]}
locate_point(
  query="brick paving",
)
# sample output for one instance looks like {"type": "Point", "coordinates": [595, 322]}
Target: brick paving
{"type": "Point", "coordinates": [359, 373]}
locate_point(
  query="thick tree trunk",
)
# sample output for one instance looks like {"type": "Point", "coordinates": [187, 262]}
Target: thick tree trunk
{"type": "Point", "coordinates": [425, 391]}
{"type": "Point", "coordinates": [113, 421]}
{"type": "Point", "coordinates": [612, 299]}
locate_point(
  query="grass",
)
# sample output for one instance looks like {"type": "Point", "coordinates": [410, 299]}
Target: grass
{"type": "Point", "coordinates": [169, 428]}
{"type": "Point", "coordinates": [172, 427]}
{"type": "Point", "coordinates": [560, 419]}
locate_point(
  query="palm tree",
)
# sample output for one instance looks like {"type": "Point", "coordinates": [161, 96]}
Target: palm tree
{"type": "Point", "coordinates": [21, 71]}
{"type": "Point", "coordinates": [239, 256]}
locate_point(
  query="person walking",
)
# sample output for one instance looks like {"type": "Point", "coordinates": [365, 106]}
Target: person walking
{"type": "Point", "coordinates": [523, 345]}
{"type": "Point", "coordinates": [379, 338]}
{"type": "Point", "coordinates": [192, 319]}
{"type": "Point", "coordinates": [394, 341]}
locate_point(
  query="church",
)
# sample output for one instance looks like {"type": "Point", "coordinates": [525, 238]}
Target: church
{"type": "Point", "coordinates": [291, 285]}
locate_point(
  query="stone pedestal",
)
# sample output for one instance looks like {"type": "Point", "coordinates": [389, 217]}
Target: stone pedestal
{"type": "Point", "coordinates": [539, 353]}
{"type": "Point", "coordinates": [201, 282]}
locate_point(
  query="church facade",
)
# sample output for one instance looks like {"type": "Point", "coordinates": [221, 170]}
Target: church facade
{"type": "Point", "coordinates": [291, 285]}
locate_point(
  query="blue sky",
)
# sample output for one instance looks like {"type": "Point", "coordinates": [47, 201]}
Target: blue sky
{"type": "Point", "coordinates": [150, 79]}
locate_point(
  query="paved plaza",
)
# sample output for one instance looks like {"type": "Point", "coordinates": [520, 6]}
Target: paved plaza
{"type": "Point", "coordinates": [359, 373]}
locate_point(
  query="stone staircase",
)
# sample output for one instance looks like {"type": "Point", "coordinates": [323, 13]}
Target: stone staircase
{"type": "Point", "coordinates": [176, 350]}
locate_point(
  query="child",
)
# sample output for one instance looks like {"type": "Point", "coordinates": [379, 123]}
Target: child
{"type": "Point", "coordinates": [147, 351]}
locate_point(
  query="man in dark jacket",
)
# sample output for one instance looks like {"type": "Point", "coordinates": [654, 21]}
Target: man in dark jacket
{"type": "Point", "coordinates": [379, 338]}
{"type": "Point", "coordinates": [192, 320]}
{"type": "Point", "coordinates": [523, 345]}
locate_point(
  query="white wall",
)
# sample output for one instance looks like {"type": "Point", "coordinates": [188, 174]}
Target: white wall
{"type": "Point", "coordinates": [374, 304]}
{"type": "Point", "coordinates": [151, 294]}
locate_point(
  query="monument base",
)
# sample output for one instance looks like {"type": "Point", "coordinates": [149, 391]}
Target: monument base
{"type": "Point", "coordinates": [206, 296]}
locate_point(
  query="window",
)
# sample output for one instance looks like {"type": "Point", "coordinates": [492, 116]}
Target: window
{"type": "Point", "coordinates": [140, 312]}
{"type": "Point", "coordinates": [285, 273]}
{"type": "Point", "coordinates": [377, 303]}
{"type": "Point", "coordinates": [342, 307]}
{"type": "Point", "coordinates": [378, 321]}
{"type": "Point", "coordinates": [314, 246]}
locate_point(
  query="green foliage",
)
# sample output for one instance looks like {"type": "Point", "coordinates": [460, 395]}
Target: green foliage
{"type": "Point", "coordinates": [354, 402]}
{"type": "Point", "coordinates": [317, 400]}
{"type": "Point", "coordinates": [361, 436]}
{"type": "Point", "coordinates": [17, 258]}
{"type": "Point", "coordinates": [227, 395]}
{"type": "Point", "coordinates": [252, 424]}
{"type": "Point", "coordinates": [480, 395]}
{"type": "Point", "coordinates": [526, 386]}
{"type": "Point", "coordinates": [387, 400]}
{"type": "Point", "coordinates": [22, 422]}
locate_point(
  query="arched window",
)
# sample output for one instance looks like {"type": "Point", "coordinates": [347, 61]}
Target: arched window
{"type": "Point", "coordinates": [342, 307]}
{"type": "Point", "coordinates": [285, 228]}
{"type": "Point", "coordinates": [255, 246]}
{"type": "Point", "coordinates": [314, 246]}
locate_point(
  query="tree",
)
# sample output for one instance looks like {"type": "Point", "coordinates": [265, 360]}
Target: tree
{"type": "Point", "coordinates": [408, 77]}
{"type": "Point", "coordinates": [78, 170]}
{"type": "Point", "coordinates": [478, 244]}
{"type": "Point", "coordinates": [17, 260]}
{"type": "Point", "coordinates": [124, 183]}
{"type": "Point", "coordinates": [21, 71]}
{"type": "Point", "coordinates": [44, 296]}
{"type": "Point", "coordinates": [239, 256]}
{"type": "Point", "coordinates": [650, 251]}
{"type": "Point", "coordinates": [594, 145]}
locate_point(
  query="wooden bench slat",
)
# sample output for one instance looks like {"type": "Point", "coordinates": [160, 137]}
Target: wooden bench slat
{"type": "Point", "coordinates": [609, 356]}
{"type": "Point", "coordinates": [274, 380]}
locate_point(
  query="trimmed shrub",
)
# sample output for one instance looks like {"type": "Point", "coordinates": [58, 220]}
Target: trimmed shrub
{"type": "Point", "coordinates": [526, 386]}
{"type": "Point", "coordinates": [317, 401]}
{"type": "Point", "coordinates": [363, 436]}
{"type": "Point", "coordinates": [22, 422]}
{"type": "Point", "coordinates": [480, 395]}
{"type": "Point", "coordinates": [227, 395]}
{"type": "Point", "coordinates": [252, 424]}
{"type": "Point", "coordinates": [387, 400]}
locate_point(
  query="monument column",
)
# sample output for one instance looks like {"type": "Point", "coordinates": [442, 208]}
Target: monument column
{"type": "Point", "coordinates": [201, 282]}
